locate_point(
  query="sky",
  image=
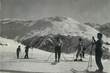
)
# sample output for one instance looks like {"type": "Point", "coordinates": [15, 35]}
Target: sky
{"type": "Point", "coordinates": [94, 11]}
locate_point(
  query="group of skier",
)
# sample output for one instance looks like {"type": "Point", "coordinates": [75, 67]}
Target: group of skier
{"type": "Point", "coordinates": [98, 50]}
{"type": "Point", "coordinates": [80, 50]}
{"type": "Point", "coordinates": [26, 52]}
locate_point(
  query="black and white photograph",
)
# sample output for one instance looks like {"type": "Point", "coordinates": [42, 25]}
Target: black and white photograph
{"type": "Point", "coordinates": [54, 36]}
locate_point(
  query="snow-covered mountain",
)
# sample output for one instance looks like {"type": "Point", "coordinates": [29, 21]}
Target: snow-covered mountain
{"type": "Point", "coordinates": [29, 30]}
{"type": "Point", "coordinates": [69, 29]}
{"type": "Point", "coordinates": [14, 28]}
{"type": "Point", "coordinates": [61, 25]}
{"type": "Point", "coordinates": [19, 28]}
{"type": "Point", "coordinates": [103, 28]}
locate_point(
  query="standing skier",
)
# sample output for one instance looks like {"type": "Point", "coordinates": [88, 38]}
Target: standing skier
{"type": "Point", "coordinates": [58, 49]}
{"type": "Point", "coordinates": [18, 51]}
{"type": "Point", "coordinates": [26, 52]}
{"type": "Point", "coordinates": [79, 50]}
{"type": "Point", "coordinates": [98, 52]}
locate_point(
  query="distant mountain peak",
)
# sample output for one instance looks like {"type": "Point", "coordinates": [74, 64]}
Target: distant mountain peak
{"type": "Point", "coordinates": [48, 25]}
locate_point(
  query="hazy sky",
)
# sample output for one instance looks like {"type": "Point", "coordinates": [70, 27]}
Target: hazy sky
{"type": "Point", "coordinates": [97, 11]}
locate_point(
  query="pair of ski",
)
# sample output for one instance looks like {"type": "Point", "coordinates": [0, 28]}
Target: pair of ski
{"type": "Point", "coordinates": [85, 71]}
{"type": "Point", "coordinates": [75, 71]}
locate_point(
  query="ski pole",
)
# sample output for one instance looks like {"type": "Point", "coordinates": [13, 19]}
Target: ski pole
{"type": "Point", "coordinates": [49, 56]}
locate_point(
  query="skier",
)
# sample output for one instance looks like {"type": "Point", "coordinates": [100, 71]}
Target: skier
{"type": "Point", "coordinates": [18, 51]}
{"type": "Point", "coordinates": [58, 49]}
{"type": "Point", "coordinates": [98, 52]}
{"type": "Point", "coordinates": [26, 52]}
{"type": "Point", "coordinates": [83, 52]}
{"type": "Point", "coordinates": [80, 51]}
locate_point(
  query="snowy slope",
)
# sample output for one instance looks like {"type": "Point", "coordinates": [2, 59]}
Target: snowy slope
{"type": "Point", "coordinates": [11, 47]}
{"type": "Point", "coordinates": [39, 61]}
{"type": "Point", "coordinates": [10, 44]}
